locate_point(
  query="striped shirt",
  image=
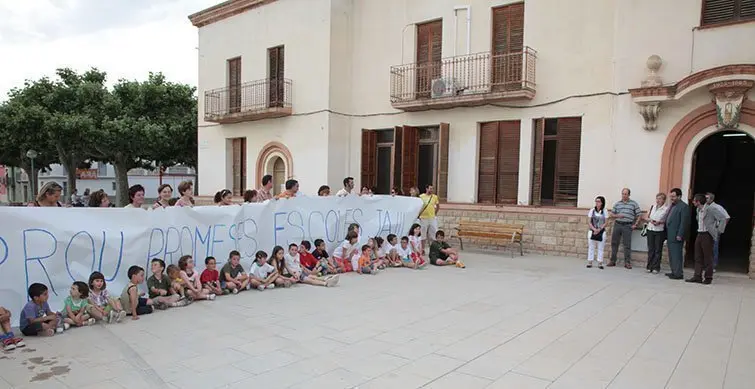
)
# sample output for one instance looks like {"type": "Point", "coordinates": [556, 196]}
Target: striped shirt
{"type": "Point", "coordinates": [627, 212]}
{"type": "Point", "coordinates": [263, 194]}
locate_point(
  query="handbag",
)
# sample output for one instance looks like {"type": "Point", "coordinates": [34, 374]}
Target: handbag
{"type": "Point", "coordinates": [599, 236]}
{"type": "Point", "coordinates": [644, 231]}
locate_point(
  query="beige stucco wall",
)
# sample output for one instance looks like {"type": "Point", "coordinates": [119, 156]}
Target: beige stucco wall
{"type": "Point", "coordinates": [338, 54]}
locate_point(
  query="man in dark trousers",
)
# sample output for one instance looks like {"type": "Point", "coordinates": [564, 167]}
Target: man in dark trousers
{"type": "Point", "coordinates": [710, 223]}
{"type": "Point", "coordinates": [677, 224]}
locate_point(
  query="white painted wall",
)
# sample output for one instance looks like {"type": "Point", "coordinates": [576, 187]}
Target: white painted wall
{"type": "Point", "coordinates": [338, 54]}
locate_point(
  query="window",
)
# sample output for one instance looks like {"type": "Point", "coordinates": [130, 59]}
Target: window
{"type": "Point", "coordinates": [234, 85]}
{"type": "Point", "coordinates": [238, 166]}
{"type": "Point", "coordinates": [404, 157]}
{"type": "Point", "coordinates": [508, 47]}
{"type": "Point", "coordinates": [727, 11]}
{"type": "Point", "coordinates": [555, 172]}
{"type": "Point", "coordinates": [276, 70]}
{"type": "Point", "coordinates": [498, 176]}
{"type": "Point", "coordinates": [114, 186]}
{"type": "Point", "coordinates": [429, 51]}
{"type": "Point", "coordinates": [101, 169]}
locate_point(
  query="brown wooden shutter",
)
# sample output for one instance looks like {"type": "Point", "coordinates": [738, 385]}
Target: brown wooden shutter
{"type": "Point", "coordinates": [747, 9]}
{"type": "Point", "coordinates": [442, 188]}
{"type": "Point", "coordinates": [239, 165]}
{"type": "Point", "coordinates": [369, 158]}
{"type": "Point", "coordinates": [409, 157]}
{"type": "Point", "coordinates": [508, 162]}
{"type": "Point", "coordinates": [508, 46]}
{"type": "Point", "coordinates": [429, 54]}
{"type": "Point", "coordinates": [567, 161]}
{"type": "Point", "coordinates": [537, 162]}
{"type": "Point", "coordinates": [718, 11]}
{"type": "Point", "coordinates": [276, 76]}
{"type": "Point", "coordinates": [234, 85]}
{"type": "Point", "coordinates": [486, 176]}
{"type": "Point", "coordinates": [397, 154]}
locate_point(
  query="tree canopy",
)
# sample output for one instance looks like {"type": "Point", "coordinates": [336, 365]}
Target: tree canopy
{"type": "Point", "coordinates": [75, 119]}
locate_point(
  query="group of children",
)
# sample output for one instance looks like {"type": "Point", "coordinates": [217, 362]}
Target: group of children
{"type": "Point", "coordinates": [179, 285]}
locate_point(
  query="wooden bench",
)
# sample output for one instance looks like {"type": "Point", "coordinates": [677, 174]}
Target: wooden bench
{"type": "Point", "coordinates": [506, 233]}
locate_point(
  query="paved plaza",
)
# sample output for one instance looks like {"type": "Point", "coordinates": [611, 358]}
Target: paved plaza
{"type": "Point", "coordinates": [523, 323]}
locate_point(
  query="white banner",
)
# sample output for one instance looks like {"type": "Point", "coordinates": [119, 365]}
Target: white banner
{"type": "Point", "coordinates": [56, 246]}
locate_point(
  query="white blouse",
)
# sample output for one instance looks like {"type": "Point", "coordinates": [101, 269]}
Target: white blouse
{"type": "Point", "coordinates": [658, 214]}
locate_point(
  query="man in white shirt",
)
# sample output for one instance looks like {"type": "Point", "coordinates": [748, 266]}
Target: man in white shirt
{"type": "Point", "coordinates": [348, 186]}
{"type": "Point", "coordinates": [710, 202]}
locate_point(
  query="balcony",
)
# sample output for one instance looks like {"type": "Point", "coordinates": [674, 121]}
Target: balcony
{"type": "Point", "coordinates": [466, 80]}
{"type": "Point", "coordinates": [255, 100]}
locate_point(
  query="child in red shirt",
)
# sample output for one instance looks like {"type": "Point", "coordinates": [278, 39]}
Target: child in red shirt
{"type": "Point", "coordinates": [210, 277]}
{"type": "Point", "coordinates": [308, 261]}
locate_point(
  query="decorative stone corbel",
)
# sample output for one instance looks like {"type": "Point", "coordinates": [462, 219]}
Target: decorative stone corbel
{"type": "Point", "coordinates": [649, 112]}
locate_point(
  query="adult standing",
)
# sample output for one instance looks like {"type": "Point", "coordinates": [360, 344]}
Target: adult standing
{"type": "Point", "coordinates": [348, 186]}
{"type": "Point", "coordinates": [627, 213]}
{"type": "Point", "coordinates": [596, 239]}
{"type": "Point", "coordinates": [324, 191]}
{"type": "Point", "coordinates": [186, 192]}
{"type": "Point", "coordinates": [710, 202]}
{"type": "Point", "coordinates": [164, 194]}
{"type": "Point", "coordinates": [49, 195]}
{"type": "Point", "coordinates": [99, 199]}
{"type": "Point", "coordinates": [427, 215]}
{"type": "Point", "coordinates": [265, 192]}
{"type": "Point", "coordinates": [656, 232]}
{"type": "Point", "coordinates": [709, 226]}
{"type": "Point", "coordinates": [135, 196]}
{"type": "Point", "coordinates": [677, 223]}
{"type": "Point", "coordinates": [292, 188]}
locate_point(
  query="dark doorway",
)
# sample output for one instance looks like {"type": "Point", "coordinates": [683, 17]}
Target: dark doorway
{"type": "Point", "coordinates": [384, 158]}
{"type": "Point", "coordinates": [724, 164]}
{"type": "Point", "coordinates": [426, 168]}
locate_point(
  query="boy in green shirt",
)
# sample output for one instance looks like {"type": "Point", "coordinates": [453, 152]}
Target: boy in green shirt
{"type": "Point", "coordinates": [441, 253]}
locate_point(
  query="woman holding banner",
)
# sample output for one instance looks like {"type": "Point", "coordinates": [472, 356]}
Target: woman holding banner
{"type": "Point", "coordinates": [49, 195]}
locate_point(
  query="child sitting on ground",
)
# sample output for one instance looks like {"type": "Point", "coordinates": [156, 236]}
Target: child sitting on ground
{"type": "Point", "coordinates": [441, 253]}
{"type": "Point", "coordinates": [327, 265]}
{"type": "Point", "coordinates": [415, 242]}
{"type": "Point", "coordinates": [9, 340]}
{"type": "Point", "coordinates": [347, 253]}
{"type": "Point", "coordinates": [378, 256]}
{"type": "Point", "coordinates": [278, 261]}
{"type": "Point", "coordinates": [404, 251]}
{"type": "Point", "coordinates": [210, 277]}
{"type": "Point", "coordinates": [262, 275]}
{"type": "Point", "coordinates": [232, 275]}
{"type": "Point", "coordinates": [131, 300]}
{"type": "Point", "coordinates": [391, 253]}
{"type": "Point", "coordinates": [364, 263]}
{"type": "Point", "coordinates": [37, 319]}
{"type": "Point", "coordinates": [158, 286]}
{"type": "Point", "coordinates": [293, 264]}
{"type": "Point", "coordinates": [190, 278]}
{"type": "Point", "coordinates": [100, 300]}
{"type": "Point", "coordinates": [78, 311]}
{"type": "Point", "coordinates": [177, 285]}
{"type": "Point", "coordinates": [308, 261]}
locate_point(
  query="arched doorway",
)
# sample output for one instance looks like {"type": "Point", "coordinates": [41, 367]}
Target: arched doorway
{"type": "Point", "coordinates": [275, 159]}
{"type": "Point", "coordinates": [724, 164]}
{"type": "Point", "coordinates": [278, 169]}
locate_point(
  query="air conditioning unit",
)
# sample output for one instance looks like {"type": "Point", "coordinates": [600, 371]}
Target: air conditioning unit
{"type": "Point", "coordinates": [443, 87]}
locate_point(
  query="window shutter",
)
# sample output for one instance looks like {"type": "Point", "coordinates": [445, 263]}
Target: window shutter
{"type": "Point", "coordinates": [537, 162]}
{"type": "Point", "coordinates": [442, 188]}
{"type": "Point", "coordinates": [747, 9]}
{"type": "Point", "coordinates": [508, 162]}
{"type": "Point", "coordinates": [369, 158]}
{"type": "Point", "coordinates": [508, 46]}
{"type": "Point", "coordinates": [567, 161]}
{"type": "Point", "coordinates": [275, 76]}
{"type": "Point", "coordinates": [239, 165]}
{"type": "Point", "coordinates": [397, 154]}
{"type": "Point", "coordinates": [486, 180]}
{"type": "Point", "coordinates": [718, 11]}
{"type": "Point", "coordinates": [234, 85]}
{"type": "Point", "coordinates": [409, 152]}
{"type": "Point", "coordinates": [429, 54]}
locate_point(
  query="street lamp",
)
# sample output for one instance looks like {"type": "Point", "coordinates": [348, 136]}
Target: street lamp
{"type": "Point", "coordinates": [32, 155]}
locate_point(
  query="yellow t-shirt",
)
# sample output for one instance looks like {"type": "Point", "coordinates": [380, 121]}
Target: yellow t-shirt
{"type": "Point", "coordinates": [429, 203]}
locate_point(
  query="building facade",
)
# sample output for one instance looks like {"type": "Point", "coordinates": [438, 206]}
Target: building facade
{"type": "Point", "coordinates": [515, 111]}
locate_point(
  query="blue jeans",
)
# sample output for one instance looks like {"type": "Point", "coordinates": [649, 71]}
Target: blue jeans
{"type": "Point", "coordinates": [715, 253]}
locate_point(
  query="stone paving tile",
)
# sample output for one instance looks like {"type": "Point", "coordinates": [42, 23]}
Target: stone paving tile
{"type": "Point", "coordinates": [523, 323]}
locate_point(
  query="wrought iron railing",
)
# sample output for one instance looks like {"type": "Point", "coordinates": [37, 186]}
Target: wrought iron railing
{"type": "Point", "coordinates": [472, 74]}
{"type": "Point", "coordinates": [247, 98]}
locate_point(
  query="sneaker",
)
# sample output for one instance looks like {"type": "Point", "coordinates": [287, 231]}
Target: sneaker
{"type": "Point", "coordinates": [226, 292]}
{"type": "Point", "coordinates": [66, 326]}
{"type": "Point", "coordinates": [59, 330]}
{"type": "Point", "coordinates": [600, 266]}
{"type": "Point", "coordinates": [90, 321]}
{"type": "Point", "coordinates": [261, 288]}
{"type": "Point", "coordinates": [111, 316]}
{"type": "Point", "coordinates": [248, 286]}
{"type": "Point", "coordinates": [235, 291]}
{"type": "Point", "coordinates": [8, 344]}
{"type": "Point", "coordinates": [331, 281]}
{"type": "Point", "coordinates": [18, 341]}
{"type": "Point", "coordinates": [211, 297]}
{"type": "Point", "coordinates": [121, 316]}
{"type": "Point", "coordinates": [460, 265]}
{"type": "Point", "coordinates": [160, 305]}
{"type": "Point", "coordinates": [271, 286]}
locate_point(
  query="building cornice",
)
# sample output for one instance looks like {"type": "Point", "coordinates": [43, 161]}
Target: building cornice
{"type": "Point", "coordinates": [225, 10]}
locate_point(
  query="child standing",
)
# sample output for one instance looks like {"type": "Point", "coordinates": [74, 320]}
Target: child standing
{"type": "Point", "coordinates": [232, 275]}
{"type": "Point", "coordinates": [210, 277]}
{"type": "Point", "coordinates": [364, 264]}
{"type": "Point", "coordinates": [404, 251]}
{"type": "Point", "coordinates": [78, 311]}
{"type": "Point", "coordinates": [191, 280]}
{"type": "Point", "coordinates": [293, 265]}
{"type": "Point", "coordinates": [415, 242]}
{"type": "Point", "coordinates": [347, 251]}
{"type": "Point", "coordinates": [327, 265]}
{"type": "Point", "coordinates": [37, 319]}
{"type": "Point", "coordinates": [131, 300]}
{"type": "Point", "coordinates": [158, 286]}
{"type": "Point", "coordinates": [262, 275]}
{"type": "Point", "coordinates": [278, 261]}
{"type": "Point", "coordinates": [441, 253]}
{"type": "Point", "coordinates": [100, 299]}
{"type": "Point", "coordinates": [8, 339]}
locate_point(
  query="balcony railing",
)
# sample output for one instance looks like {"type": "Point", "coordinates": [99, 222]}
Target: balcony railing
{"type": "Point", "coordinates": [253, 100]}
{"type": "Point", "coordinates": [465, 80]}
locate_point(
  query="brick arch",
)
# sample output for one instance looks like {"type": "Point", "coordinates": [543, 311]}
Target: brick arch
{"type": "Point", "coordinates": [269, 149]}
{"type": "Point", "coordinates": [678, 140]}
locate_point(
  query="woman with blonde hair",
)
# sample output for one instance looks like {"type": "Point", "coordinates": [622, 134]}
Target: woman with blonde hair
{"type": "Point", "coordinates": [49, 195]}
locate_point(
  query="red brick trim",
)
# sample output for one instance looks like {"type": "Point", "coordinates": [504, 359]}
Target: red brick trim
{"type": "Point", "coordinates": [678, 140]}
{"type": "Point", "coordinates": [709, 74]}
{"type": "Point", "coordinates": [225, 10]}
{"type": "Point", "coordinates": [265, 152]}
